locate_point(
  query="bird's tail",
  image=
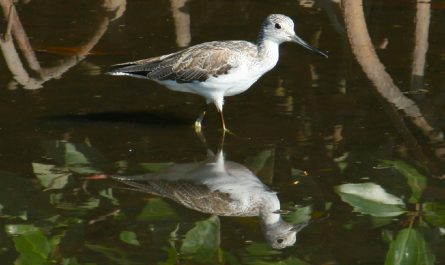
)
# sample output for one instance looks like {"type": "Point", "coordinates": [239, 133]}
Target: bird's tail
{"type": "Point", "coordinates": [141, 68]}
{"type": "Point", "coordinates": [128, 69]}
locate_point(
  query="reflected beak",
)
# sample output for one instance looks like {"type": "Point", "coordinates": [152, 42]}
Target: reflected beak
{"type": "Point", "coordinates": [298, 40]}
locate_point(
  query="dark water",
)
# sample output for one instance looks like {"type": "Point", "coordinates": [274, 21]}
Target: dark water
{"type": "Point", "coordinates": [361, 179]}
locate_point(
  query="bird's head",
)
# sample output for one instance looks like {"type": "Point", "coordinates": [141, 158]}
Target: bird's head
{"type": "Point", "coordinates": [282, 234]}
{"type": "Point", "coordinates": [280, 28]}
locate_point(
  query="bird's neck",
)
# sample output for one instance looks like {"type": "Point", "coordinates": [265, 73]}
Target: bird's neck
{"type": "Point", "coordinates": [270, 205]}
{"type": "Point", "coordinates": [268, 51]}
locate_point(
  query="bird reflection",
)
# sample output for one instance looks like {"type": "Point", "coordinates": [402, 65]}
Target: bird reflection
{"type": "Point", "coordinates": [220, 187]}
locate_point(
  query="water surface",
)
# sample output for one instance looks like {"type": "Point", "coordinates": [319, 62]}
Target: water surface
{"type": "Point", "coordinates": [361, 176]}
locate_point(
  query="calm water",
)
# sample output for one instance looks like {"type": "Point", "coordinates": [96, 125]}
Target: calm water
{"type": "Point", "coordinates": [361, 181]}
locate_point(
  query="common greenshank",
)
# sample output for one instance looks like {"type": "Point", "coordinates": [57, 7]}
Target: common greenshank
{"type": "Point", "coordinates": [218, 69]}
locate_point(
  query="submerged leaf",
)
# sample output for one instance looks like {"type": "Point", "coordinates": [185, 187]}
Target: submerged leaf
{"type": "Point", "coordinates": [288, 261]}
{"type": "Point", "coordinates": [117, 256]}
{"type": "Point", "coordinates": [20, 198]}
{"type": "Point", "coordinates": [261, 249]}
{"type": "Point", "coordinates": [299, 215]}
{"type": "Point", "coordinates": [202, 241]}
{"type": "Point", "coordinates": [368, 222]}
{"type": "Point", "coordinates": [20, 229]}
{"type": "Point", "coordinates": [77, 157]}
{"type": "Point", "coordinates": [157, 209]}
{"type": "Point", "coordinates": [60, 202]}
{"type": "Point", "coordinates": [263, 254]}
{"type": "Point", "coordinates": [73, 239]}
{"type": "Point", "coordinates": [262, 165]}
{"type": "Point", "coordinates": [434, 213]}
{"type": "Point", "coordinates": [372, 199]}
{"type": "Point", "coordinates": [14, 196]}
{"type": "Point", "coordinates": [108, 193]}
{"type": "Point", "coordinates": [409, 247]}
{"type": "Point", "coordinates": [172, 257]}
{"type": "Point", "coordinates": [129, 237]}
{"type": "Point", "coordinates": [415, 180]}
{"type": "Point", "coordinates": [50, 176]}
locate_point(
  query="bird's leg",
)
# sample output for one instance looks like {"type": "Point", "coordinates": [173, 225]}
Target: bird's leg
{"type": "Point", "coordinates": [198, 121]}
{"type": "Point", "coordinates": [223, 124]}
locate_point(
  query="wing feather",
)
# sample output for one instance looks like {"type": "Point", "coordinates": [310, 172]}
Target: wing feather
{"type": "Point", "coordinates": [196, 63]}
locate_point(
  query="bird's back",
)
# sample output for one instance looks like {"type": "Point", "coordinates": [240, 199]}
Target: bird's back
{"type": "Point", "coordinates": [196, 63]}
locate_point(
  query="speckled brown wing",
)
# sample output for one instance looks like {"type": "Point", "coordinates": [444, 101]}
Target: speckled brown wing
{"type": "Point", "coordinates": [196, 63]}
{"type": "Point", "coordinates": [196, 197]}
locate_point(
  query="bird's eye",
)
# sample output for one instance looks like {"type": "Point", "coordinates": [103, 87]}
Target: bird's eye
{"type": "Point", "coordinates": [277, 26]}
{"type": "Point", "coordinates": [279, 241]}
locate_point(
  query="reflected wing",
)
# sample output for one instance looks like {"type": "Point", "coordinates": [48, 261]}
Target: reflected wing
{"type": "Point", "coordinates": [196, 197]}
{"type": "Point", "coordinates": [196, 63]}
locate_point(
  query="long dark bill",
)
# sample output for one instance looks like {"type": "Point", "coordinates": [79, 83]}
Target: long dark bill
{"type": "Point", "coordinates": [298, 40]}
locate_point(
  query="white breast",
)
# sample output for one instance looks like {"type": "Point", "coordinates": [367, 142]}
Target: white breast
{"type": "Point", "coordinates": [250, 71]}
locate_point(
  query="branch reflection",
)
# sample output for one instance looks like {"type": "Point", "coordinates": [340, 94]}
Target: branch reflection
{"type": "Point", "coordinates": [16, 34]}
{"type": "Point", "coordinates": [423, 16]}
{"type": "Point", "coordinates": [366, 56]}
{"type": "Point", "coordinates": [181, 17]}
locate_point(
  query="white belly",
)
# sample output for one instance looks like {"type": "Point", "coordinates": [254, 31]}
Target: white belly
{"type": "Point", "coordinates": [231, 84]}
{"type": "Point", "coordinates": [236, 81]}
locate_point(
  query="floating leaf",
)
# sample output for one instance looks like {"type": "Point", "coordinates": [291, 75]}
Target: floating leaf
{"type": "Point", "coordinates": [129, 237]}
{"type": "Point", "coordinates": [50, 176]}
{"type": "Point", "coordinates": [32, 245]}
{"type": "Point", "coordinates": [157, 209]}
{"type": "Point", "coordinates": [202, 241]}
{"type": "Point", "coordinates": [372, 199]}
{"type": "Point", "coordinates": [416, 181]}
{"type": "Point", "coordinates": [408, 248]}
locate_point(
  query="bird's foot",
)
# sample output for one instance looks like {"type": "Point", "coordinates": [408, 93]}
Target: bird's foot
{"type": "Point", "coordinates": [225, 130]}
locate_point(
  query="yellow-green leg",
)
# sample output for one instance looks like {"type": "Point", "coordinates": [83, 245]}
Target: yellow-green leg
{"type": "Point", "coordinates": [198, 121]}
{"type": "Point", "coordinates": [223, 124]}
